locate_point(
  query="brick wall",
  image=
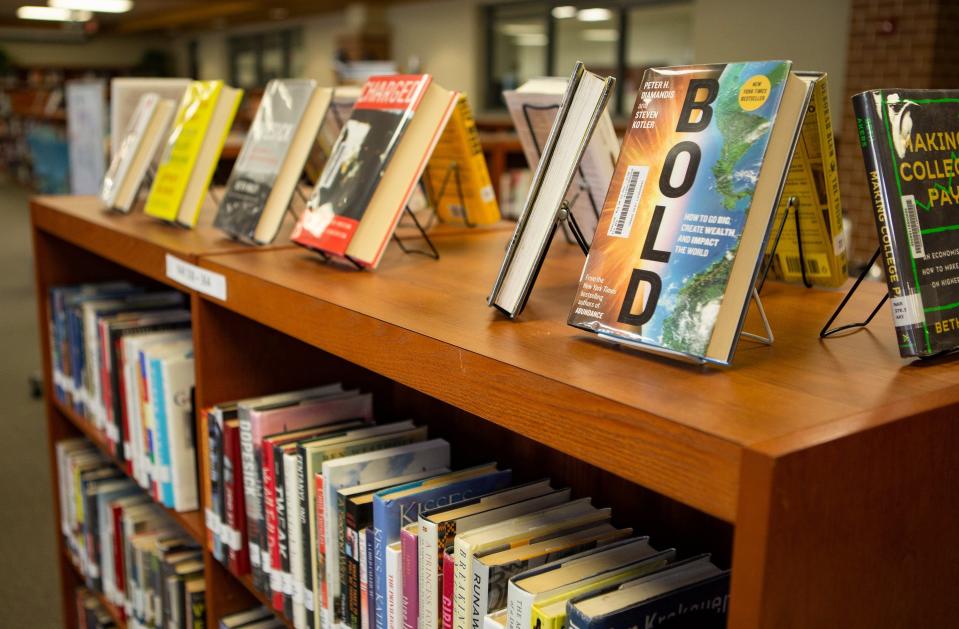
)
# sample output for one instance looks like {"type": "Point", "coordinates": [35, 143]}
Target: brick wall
{"type": "Point", "coordinates": [892, 43]}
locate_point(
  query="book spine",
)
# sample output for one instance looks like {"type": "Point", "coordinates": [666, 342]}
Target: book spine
{"type": "Point", "coordinates": [449, 576]}
{"type": "Point", "coordinates": [429, 574]}
{"type": "Point", "coordinates": [283, 523]}
{"type": "Point", "coordinates": [250, 496]}
{"type": "Point", "coordinates": [162, 466]}
{"type": "Point", "coordinates": [394, 587]}
{"type": "Point", "coordinates": [519, 608]}
{"type": "Point", "coordinates": [215, 451]}
{"type": "Point", "coordinates": [384, 517]}
{"type": "Point", "coordinates": [479, 599]}
{"type": "Point", "coordinates": [278, 535]}
{"type": "Point", "coordinates": [410, 603]}
{"type": "Point", "coordinates": [268, 474]}
{"type": "Point", "coordinates": [345, 541]}
{"type": "Point", "coordinates": [370, 614]}
{"type": "Point", "coordinates": [324, 603]}
{"type": "Point", "coordinates": [303, 487]}
{"type": "Point", "coordinates": [892, 235]}
{"type": "Point", "coordinates": [238, 555]}
{"type": "Point", "coordinates": [179, 380]}
{"type": "Point", "coordinates": [293, 581]}
{"type": "Point", "coordinates": [462, 573]}
{"type": "Point", "coordinates": [361, 618]}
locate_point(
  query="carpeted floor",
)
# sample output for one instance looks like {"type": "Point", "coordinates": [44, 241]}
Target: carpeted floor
{"type": "Point", "coordinates": [29, 590]}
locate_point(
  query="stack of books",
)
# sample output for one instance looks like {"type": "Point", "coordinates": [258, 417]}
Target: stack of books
{"type": "Point", "coordinates": [350, 523]}
{"type": "Point", "coordinates": [125, 545]}
{"type": "Point", "coordinates": [123, 359]}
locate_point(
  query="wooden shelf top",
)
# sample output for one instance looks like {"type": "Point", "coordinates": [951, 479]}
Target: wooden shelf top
{"type": "Point", "coordinates": [191, 521]}
{"type": "Point", "coordinates": [673, 427]}
{"type": "Point", "coordinates": [134, 240]}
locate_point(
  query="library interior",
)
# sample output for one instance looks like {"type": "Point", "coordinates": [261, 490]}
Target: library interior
{"type": "Point", "coordinates": [479, 314]}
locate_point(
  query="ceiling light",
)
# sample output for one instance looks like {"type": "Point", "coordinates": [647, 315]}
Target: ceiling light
{"type": "Point", "coordinates": [531, 39]}
{"type": "Point", "coordinates": [600, 34]}
{"type": "Point", "coordinates": [564, 12]}
{"type": "Point", "coordinates": [51, 14]}
{"type": "Point", "coordinates": [594, 15]}
{"type": "Point", "coordinates": [520, 28]}
{"type": "Point", "coordinates": [97, 6]}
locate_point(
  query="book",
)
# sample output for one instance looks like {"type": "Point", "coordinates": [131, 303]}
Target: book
{"type": "Point", "coordinates": [908, 139]}
{"type": "Point", "coordinates": [200, 127]}
{"type": "Point", "coordinates": [409, 556]}
{"type": "Point", "coordinates": [513, 532]}
{"type": "Point", "coordinates": [438, 529]}
{"type": "Point", "coordinates": [270, 164]}
{"type": "Point", "coordinates": [376, 163]}
{"type": "Point", "coordinates": [533, 107]}
{"type": "Point", "coordinates": [466, 195]}
{"type": "Point", "coordinates": [813, 181]}
{"type": "Point", "coordinates": [542, 585]}
{"type": "Point", "coordinates": [396, 507]}
{"type": "Point", "coordinates": [688, 213]}
{"type": "Point", "coordinates": [689, 594]}
{"type": "Point", "coordinates": [393, 579]}
{"type": "Point", "coordinates": [492, 572]}
{"type": "Point", "coordinates": [234, 531]}
{"type": "Point", "coordinates": [244, 618]}
{"type": "Point", "coordinates": [147, 130]}
{"type": "Point", "coordinates": [582, 106]}
{"type": "Point", "coordinates": [174, 380]}
{"type": "Point", "coordinates": [373, 463]}
{"type": "Point", "coordinates": [125, 95]}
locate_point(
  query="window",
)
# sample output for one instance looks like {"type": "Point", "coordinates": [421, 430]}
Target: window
{"type": "Point", "coordinates": [256, 59]}
{"type": "Point", "coordinates": [622, 39]}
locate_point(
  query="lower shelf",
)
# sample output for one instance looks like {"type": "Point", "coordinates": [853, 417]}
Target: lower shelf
{"type": "Point", "coordinates": [110, 607]}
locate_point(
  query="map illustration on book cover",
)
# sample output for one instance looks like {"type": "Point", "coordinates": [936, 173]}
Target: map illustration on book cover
{"type": "Point", "coordinates": [263, 155]}
{"type": "Point", "coordinates": [676, 209]}
{"type": "Point", "coordinates": [910, 143]}
{"type": "Point", "coordinates": [359, 158]}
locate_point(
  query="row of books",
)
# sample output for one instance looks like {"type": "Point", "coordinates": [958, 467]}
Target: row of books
{"type": "Point", "coordinates": [401, 129]}
{"type": "Point", "coordinates": [125, 545]}
{"type": "Point", "coordinates": [91, 612]}
{"type": "Point", "coordinates": [122, 358]}
{"type": "Point", "coordinates": [346, 522]}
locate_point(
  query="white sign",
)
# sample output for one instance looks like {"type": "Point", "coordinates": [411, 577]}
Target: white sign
{"type": "Point", "coordinates": [192, 276]}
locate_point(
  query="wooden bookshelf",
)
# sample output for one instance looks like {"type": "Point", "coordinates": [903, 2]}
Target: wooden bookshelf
{"type": "Point", "coordinates": [822, 472]}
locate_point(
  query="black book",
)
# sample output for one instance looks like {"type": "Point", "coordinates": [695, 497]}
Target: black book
{"type": "Point", "coordinates": [909, 140]}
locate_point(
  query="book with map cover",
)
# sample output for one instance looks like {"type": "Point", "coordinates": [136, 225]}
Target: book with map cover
{"type": "Point", "coordinates": [688, 213]}
{"type": "Point", "coordinates": [910, 139]}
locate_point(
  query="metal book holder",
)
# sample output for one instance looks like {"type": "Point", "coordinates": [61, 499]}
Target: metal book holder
{"type": "Point", "coordinates": [826, 331]}
{"type": "Point", "coordinates": [570, 235]}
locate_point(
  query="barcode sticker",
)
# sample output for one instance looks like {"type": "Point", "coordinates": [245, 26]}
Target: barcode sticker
{"type": "Point", "coordinates": [629, 195]}
{"type": "Point", "coordinates": [814, 265]}
{"type": "Point", "coordinates": [912, 226]}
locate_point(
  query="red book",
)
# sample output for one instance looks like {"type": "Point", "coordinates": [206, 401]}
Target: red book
{"type": "Point", "coordinates": [269, 511]}
{"type": "Point", "coordinates": [238, 555]}
{"type": "Point", "coordinates": [321, 542]}
{"type": "Point", "coordinates": [358, 160]}
{"type": "Point", "coordinates": [411, 578]}
{"type": "Point", "coordinates": [448, 570]}
{"type": "Point", "coordinates": [119, 573]}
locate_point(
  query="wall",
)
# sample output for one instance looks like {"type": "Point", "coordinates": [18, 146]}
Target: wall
{"type": "Point", "coordinates": [99, 51]}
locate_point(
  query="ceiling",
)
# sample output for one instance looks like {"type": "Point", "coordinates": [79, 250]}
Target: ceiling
{"type": "Point", "coordinates": [173, 16]}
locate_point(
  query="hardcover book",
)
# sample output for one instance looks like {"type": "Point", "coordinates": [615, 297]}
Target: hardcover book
{"type": "Point", "coordinates": [909, 142]}
{"type": "Point", "coordinates": [125, 94]}
{"type": "Point", "coordinates": [271, 161]}
{"type": "Point", "coordinates": [689, 210]}
{"type": "Point", "coordinates": [202, 123]}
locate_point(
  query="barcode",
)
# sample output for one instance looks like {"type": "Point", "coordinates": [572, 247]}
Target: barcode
{"type": "Point", "coordinates": [912, 226]}
{"type": "Point", "coordinates": [812, 265]}
{"type": "Point", "coordinates": [629, 195]}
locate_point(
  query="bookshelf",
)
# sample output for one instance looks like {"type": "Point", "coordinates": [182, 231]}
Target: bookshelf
{"type": "Point", "coordinates": [823, 472]}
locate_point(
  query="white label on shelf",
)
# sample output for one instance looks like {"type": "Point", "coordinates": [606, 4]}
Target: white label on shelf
{"type": "Point", "coordinates": [192, 276]}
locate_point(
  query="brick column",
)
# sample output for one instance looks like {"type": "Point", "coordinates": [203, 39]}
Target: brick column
{"type": "Point", "coordinates": [892, 43]}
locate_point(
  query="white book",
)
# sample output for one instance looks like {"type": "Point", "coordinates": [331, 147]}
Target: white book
{"type": "Point", "coordinates": [125, 94]}
{"type": "Point", "coordinates": [585, 99]}
{"type": "Point", "coordinates": [394, 586]}
{"type": "Point", "coordinates": [86, 134]}
{"type": "Point", "coordinates": [178, 381]}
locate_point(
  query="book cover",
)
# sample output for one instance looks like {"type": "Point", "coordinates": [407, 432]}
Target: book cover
{"type": "Point", "coordinates": [180, 154]}
{"type": "Point", "coordinates": [123, 158]}
{"type": "Point", "coordinates": [458, 181]}
{"type": "Point", "coordinates": [674, 216]}
{"type": "Point", "coordinates": [395, 508]}
{"type": "Point", "coordinates": [364, 147]}
{"type": "Point", "coordinates": [263, 155]}
{"type": "Point", "coordinates": [909, 140]}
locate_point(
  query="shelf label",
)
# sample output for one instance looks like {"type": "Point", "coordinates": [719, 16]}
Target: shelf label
{"type": "Point", "coordinates": [192, 276]}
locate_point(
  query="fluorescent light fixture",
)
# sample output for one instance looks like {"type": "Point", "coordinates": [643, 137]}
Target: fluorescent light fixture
{"type": "Point", "coordinates": [531, 39]}
{"type": "Point", "coordinates": [521, 28]}
{"type": "Point", "coordinates": [600, 34]}
{"type": "Point", "coordinates": [51, 14]}
{"type": "Point", "coordinates": [594, 15]}
{"type": "Point", "coordinates": [564, 12]}
{"type": "Point", "coordinates": [97, 6]}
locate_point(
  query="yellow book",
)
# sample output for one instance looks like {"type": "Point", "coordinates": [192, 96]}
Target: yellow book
{"type": "Point", "coordinates": [813, 180]}
{"type": "Point", "coordinates": [550, 612]}
{"type": "Point", "coordinates": [460, 145]}
{"type": "Point", "coordinates": [202, 123]}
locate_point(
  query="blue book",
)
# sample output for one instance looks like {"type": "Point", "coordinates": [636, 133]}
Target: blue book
{"type": "Point", "coordinates": [162, 460]}
{"type": "Point", "coordinates": [396, 507]}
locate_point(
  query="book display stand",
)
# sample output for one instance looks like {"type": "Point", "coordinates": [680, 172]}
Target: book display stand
{"type": "Point", "coordinates": [826, 331]}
